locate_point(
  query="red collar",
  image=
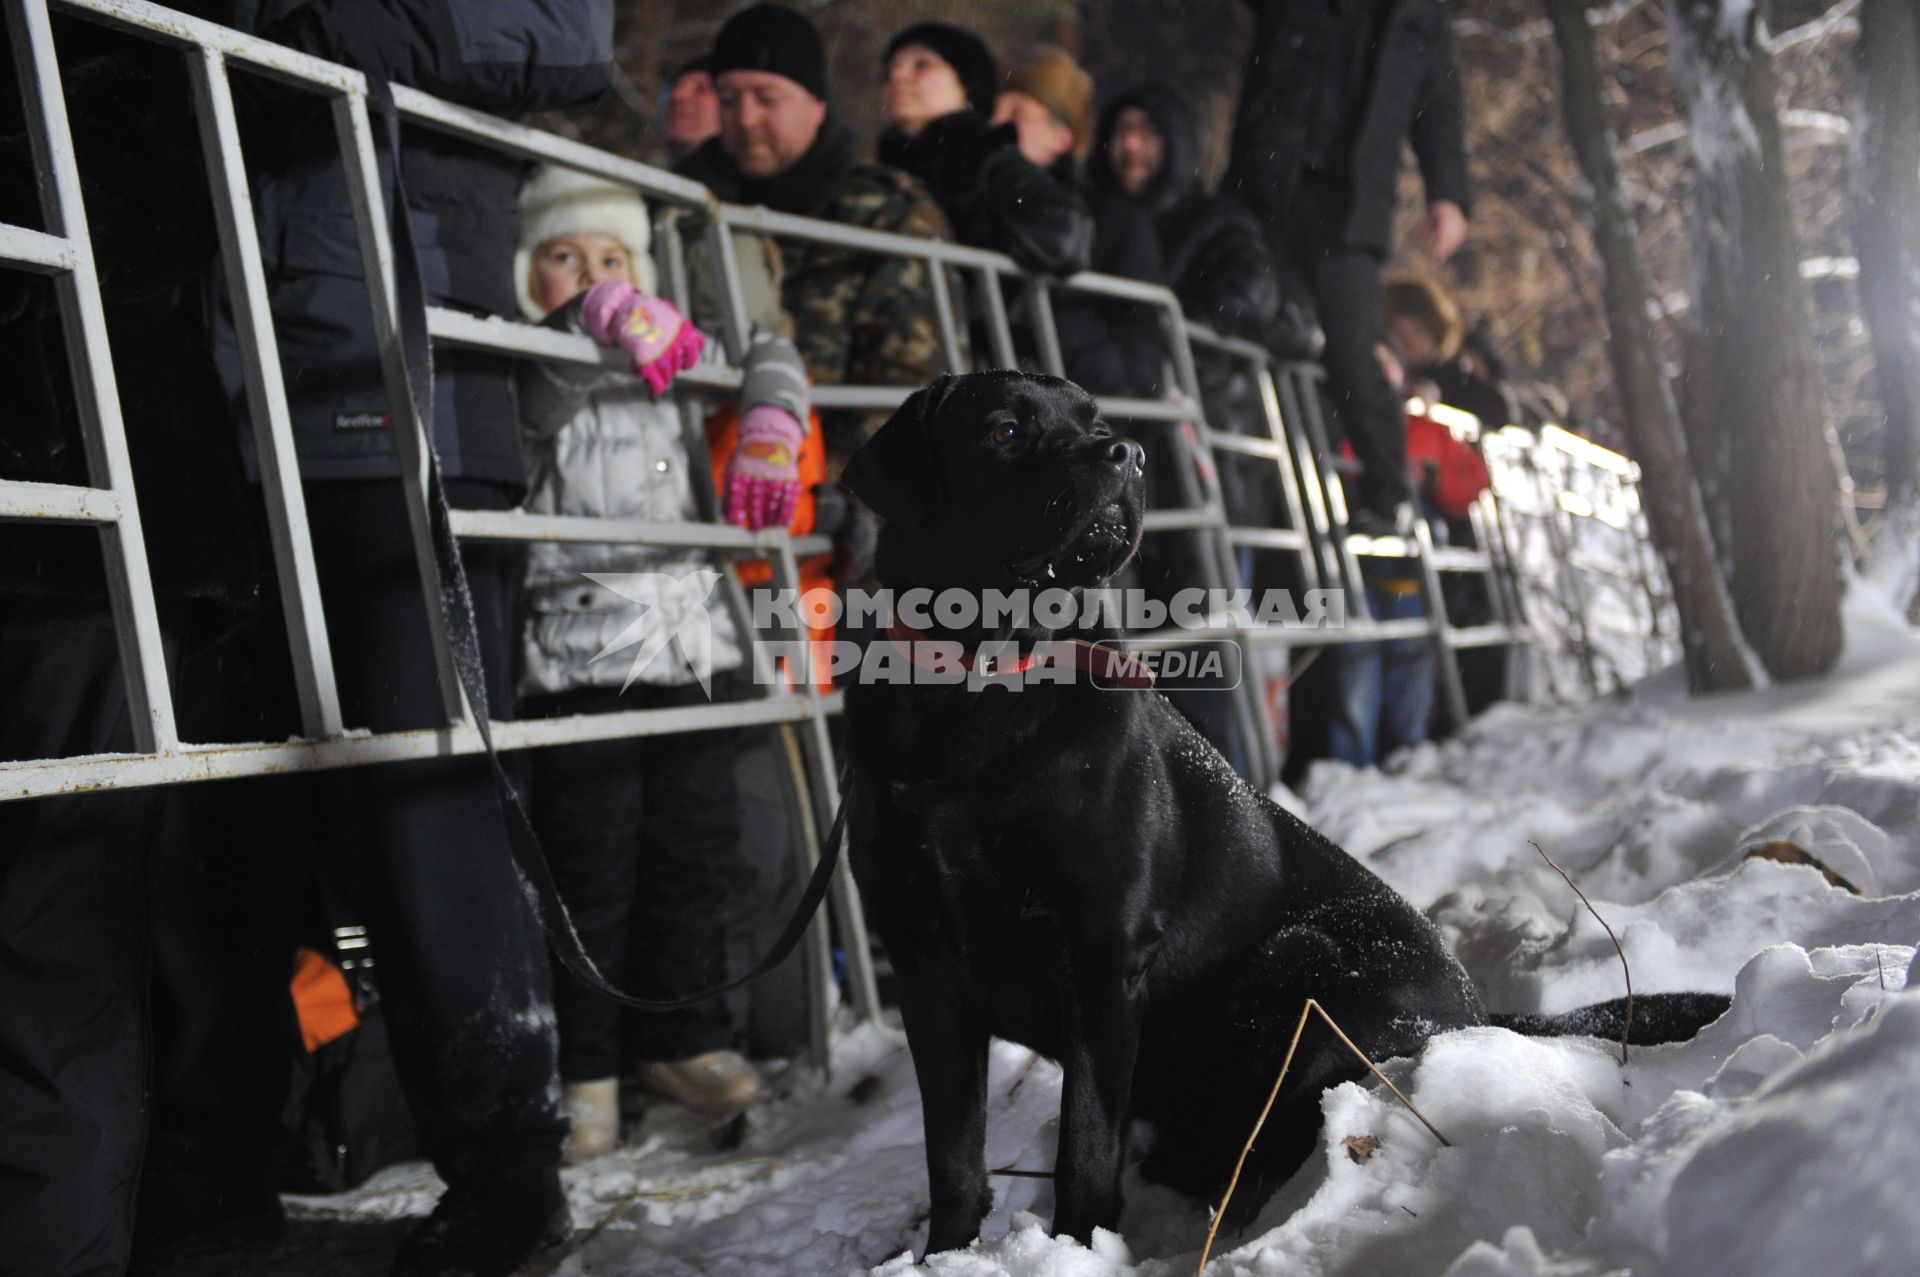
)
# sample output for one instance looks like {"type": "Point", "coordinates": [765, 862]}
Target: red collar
{"type": "Point", "coordinates": [1110, 667]}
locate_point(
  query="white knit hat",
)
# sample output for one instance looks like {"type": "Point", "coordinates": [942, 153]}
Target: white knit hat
{"type": "Point", "coordinates": [558, 201]}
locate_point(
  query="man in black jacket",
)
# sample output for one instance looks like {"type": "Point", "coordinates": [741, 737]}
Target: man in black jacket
{"type": "Point", "coordinates": [1219, 263]}
{"type": "Point", "coordinates": [1333, 90]}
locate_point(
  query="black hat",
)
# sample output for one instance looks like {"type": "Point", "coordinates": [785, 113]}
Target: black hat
{"type": "Point", "coordinates": [703, 64]}
{"type": "Point", "coordinates": [771, 37]}
{"type": "Point", "coordinates": [960, 49]}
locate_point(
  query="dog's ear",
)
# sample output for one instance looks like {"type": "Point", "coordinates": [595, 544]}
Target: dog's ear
{"type": "Point", "coordinates": [896, 472]}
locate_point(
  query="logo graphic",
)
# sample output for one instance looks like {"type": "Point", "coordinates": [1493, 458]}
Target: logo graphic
{"type": "Point", "coordinates": [673, 613]}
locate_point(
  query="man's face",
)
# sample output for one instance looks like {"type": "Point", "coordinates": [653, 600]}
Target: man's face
{"type": "Point", "coordinates": [1136, 150]}
{"type": "Point", "coordinates": [919, 86]}
{"type": "Point", "coordinates": [1044, 137]}
{"type": "Point", "coordinates": [767, 121]}
{"type": "Point", "coordinates": [693, 112]}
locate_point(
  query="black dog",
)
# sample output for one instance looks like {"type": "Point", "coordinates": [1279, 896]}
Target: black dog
{"type": "Point", "coordinates": [1075, 869]}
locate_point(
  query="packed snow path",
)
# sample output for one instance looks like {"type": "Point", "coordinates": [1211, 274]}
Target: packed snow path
{"type": "Point", "coordinates": [1783, 1141]}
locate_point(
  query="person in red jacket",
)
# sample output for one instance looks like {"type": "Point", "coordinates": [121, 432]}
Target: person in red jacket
{"type": "Point", "coordinates": [1385, 689]}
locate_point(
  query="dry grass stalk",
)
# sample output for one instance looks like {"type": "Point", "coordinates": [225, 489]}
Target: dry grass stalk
{"type": "Point", "coordinates": [1626, 1030]}
{"type": "Point", "coordinates": [1311, 1007]}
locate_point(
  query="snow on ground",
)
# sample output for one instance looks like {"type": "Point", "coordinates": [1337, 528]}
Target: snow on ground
{"type": "Point", "coordinates": [1783, 1141]}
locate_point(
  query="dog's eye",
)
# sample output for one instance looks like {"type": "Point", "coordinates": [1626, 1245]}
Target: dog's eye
{"type": "Point", "coordinates": [1100, 430]}
{"type": "Point", "coordinates": [1006, 432]}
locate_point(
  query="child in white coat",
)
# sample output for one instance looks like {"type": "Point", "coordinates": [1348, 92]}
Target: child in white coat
{"type": "Point", "coordinates": [643, 833]}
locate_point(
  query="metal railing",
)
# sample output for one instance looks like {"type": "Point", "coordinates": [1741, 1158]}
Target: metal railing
{"type": "Point", "coordinates": [1602, 608]}
{"type": "Point", "coordinates": [1291, 435]}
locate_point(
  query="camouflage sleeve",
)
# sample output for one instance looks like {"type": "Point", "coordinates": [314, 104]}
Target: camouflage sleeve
{"type": "Point", "coordinates": [894, 324]}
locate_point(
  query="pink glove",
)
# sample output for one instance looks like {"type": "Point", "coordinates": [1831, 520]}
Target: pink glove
{"type": "Point", "coordinates": [763, 475]}
{"type": "Point", "coordinates": [653, 332]}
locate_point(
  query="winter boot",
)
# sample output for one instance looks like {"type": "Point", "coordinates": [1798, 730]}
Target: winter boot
{"type": "Point", "coordinates": [593, 1111]}
{"type": "Point", "coordinates": [719, 1083]}
{"type": "Point", "coordinates": [488, 1224]}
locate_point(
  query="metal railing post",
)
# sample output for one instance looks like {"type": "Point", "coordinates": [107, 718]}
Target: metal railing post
{"type": "Point", "coordinates": [266, 396]}
{"type": "Point", "coordinates": [83, 324]}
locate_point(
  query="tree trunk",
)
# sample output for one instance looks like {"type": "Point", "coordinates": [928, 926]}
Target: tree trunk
{"type": "Point", "coordinates": [1754, 386]}
{"type": "Point", "coordinates": [1716, 658]}
{"type": "Point", "coordinates": [1886, 229]}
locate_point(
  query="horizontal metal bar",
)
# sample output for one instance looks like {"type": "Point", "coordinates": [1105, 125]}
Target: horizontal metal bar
{"type": "Point", "coordinates": [1381, 547]}
{"type": "Point", "coordinates": [36, 250]}
{"type": "Point", "coordinates": [220, 762]}
{"type": "Point", "coordinates": [1121, 288]}
{"type": "Point", "coordinates": [1358, 631]}
{"type": "Point", "coordinates": [258, 55]}
{"type": "Point", "coordinates": [57, 503]}
{"type": "Point", "coordinates": [1268, 538]}
{"type": "Point", "coordinates": [1447, 559]}
{"type": "Point", "coordinates": [1180, 520]}
{"type": "Point", "coordinates": [518, 525]}
{"type": "Point", "coordinates": [1252, 352]}
{"type": "Point", "coordinates": [1484, 636]}
{"type": "Point", "coordinates": [1183, 636]}
{"type": "Point", "coordinates": [507, 337]}
{"type": "Point", "coordinates": [887, 243]}
{"type": "Point", "coordinates": [1145, 409]}
{"type": "Point", "coordinates": [869, 397]}
{"type": "Point", "coordinates": [1246, 445]}
{"type": "Point", "coordinates": [547, 148]}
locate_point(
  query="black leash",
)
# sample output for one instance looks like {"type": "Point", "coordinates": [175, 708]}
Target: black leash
{"type": "Point", "coordinates": [456, 606]}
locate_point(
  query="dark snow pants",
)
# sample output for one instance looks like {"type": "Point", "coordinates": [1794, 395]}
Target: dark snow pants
{"type": "Point", "coordinates": [644, 838]}
{"type": "Point", "coordinates": [422, 846]}
{"type": "Point", "coordinates": [418, 850]}
{"type": "Point", "coordinates": [73, 882]}
{"type": "Point", "coordinates": [1347, 290]}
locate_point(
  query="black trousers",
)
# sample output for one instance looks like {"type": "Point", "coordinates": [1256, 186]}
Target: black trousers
{"type": "Point", "coordinates": [1346, 286]}
{"type": "Point", "coordinates": [73, 887]}
{"type": "Point", "coordinates": [418, 851]}
{"type": "Point", "coordinates": [644, 838]}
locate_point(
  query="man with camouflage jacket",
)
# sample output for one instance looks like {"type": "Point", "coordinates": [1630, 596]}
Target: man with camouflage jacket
{"type": "Point", "coordinates": [859, 319]}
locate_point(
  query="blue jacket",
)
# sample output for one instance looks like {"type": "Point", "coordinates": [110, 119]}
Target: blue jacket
{"type": "Point", "coordinates": [507, 57]}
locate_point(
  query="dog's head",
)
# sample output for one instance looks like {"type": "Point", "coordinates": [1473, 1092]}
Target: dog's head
{"type": "Point", "coordinates": [1001, 480]}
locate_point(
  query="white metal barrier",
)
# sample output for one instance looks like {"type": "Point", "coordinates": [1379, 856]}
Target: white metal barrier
{"type": "Point", "coordinates": [1294, 439]}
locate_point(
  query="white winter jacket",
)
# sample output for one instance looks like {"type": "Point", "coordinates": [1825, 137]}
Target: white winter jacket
{"type": "Point", "coordinates": [599, 444]}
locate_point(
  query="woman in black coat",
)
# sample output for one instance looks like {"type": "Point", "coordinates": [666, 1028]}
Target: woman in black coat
{"type": "Point", "coordinates": [936, 95]}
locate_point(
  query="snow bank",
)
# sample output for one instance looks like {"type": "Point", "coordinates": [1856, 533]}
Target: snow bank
{"type": "Point", "coordinates": [1777, 1144]}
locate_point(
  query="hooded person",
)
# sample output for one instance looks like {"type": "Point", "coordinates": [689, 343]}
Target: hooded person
{"type": "Point", "coordinates": [936, 93]}
{"type": "Point", "coordinates": [1218, 261]}
{"type": "Point", "coordinates": [859, 318]}
{"type": "Point", "coordinates": [1146, 157]}
{"type": "Point", "coordinates": [1220, 265]}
